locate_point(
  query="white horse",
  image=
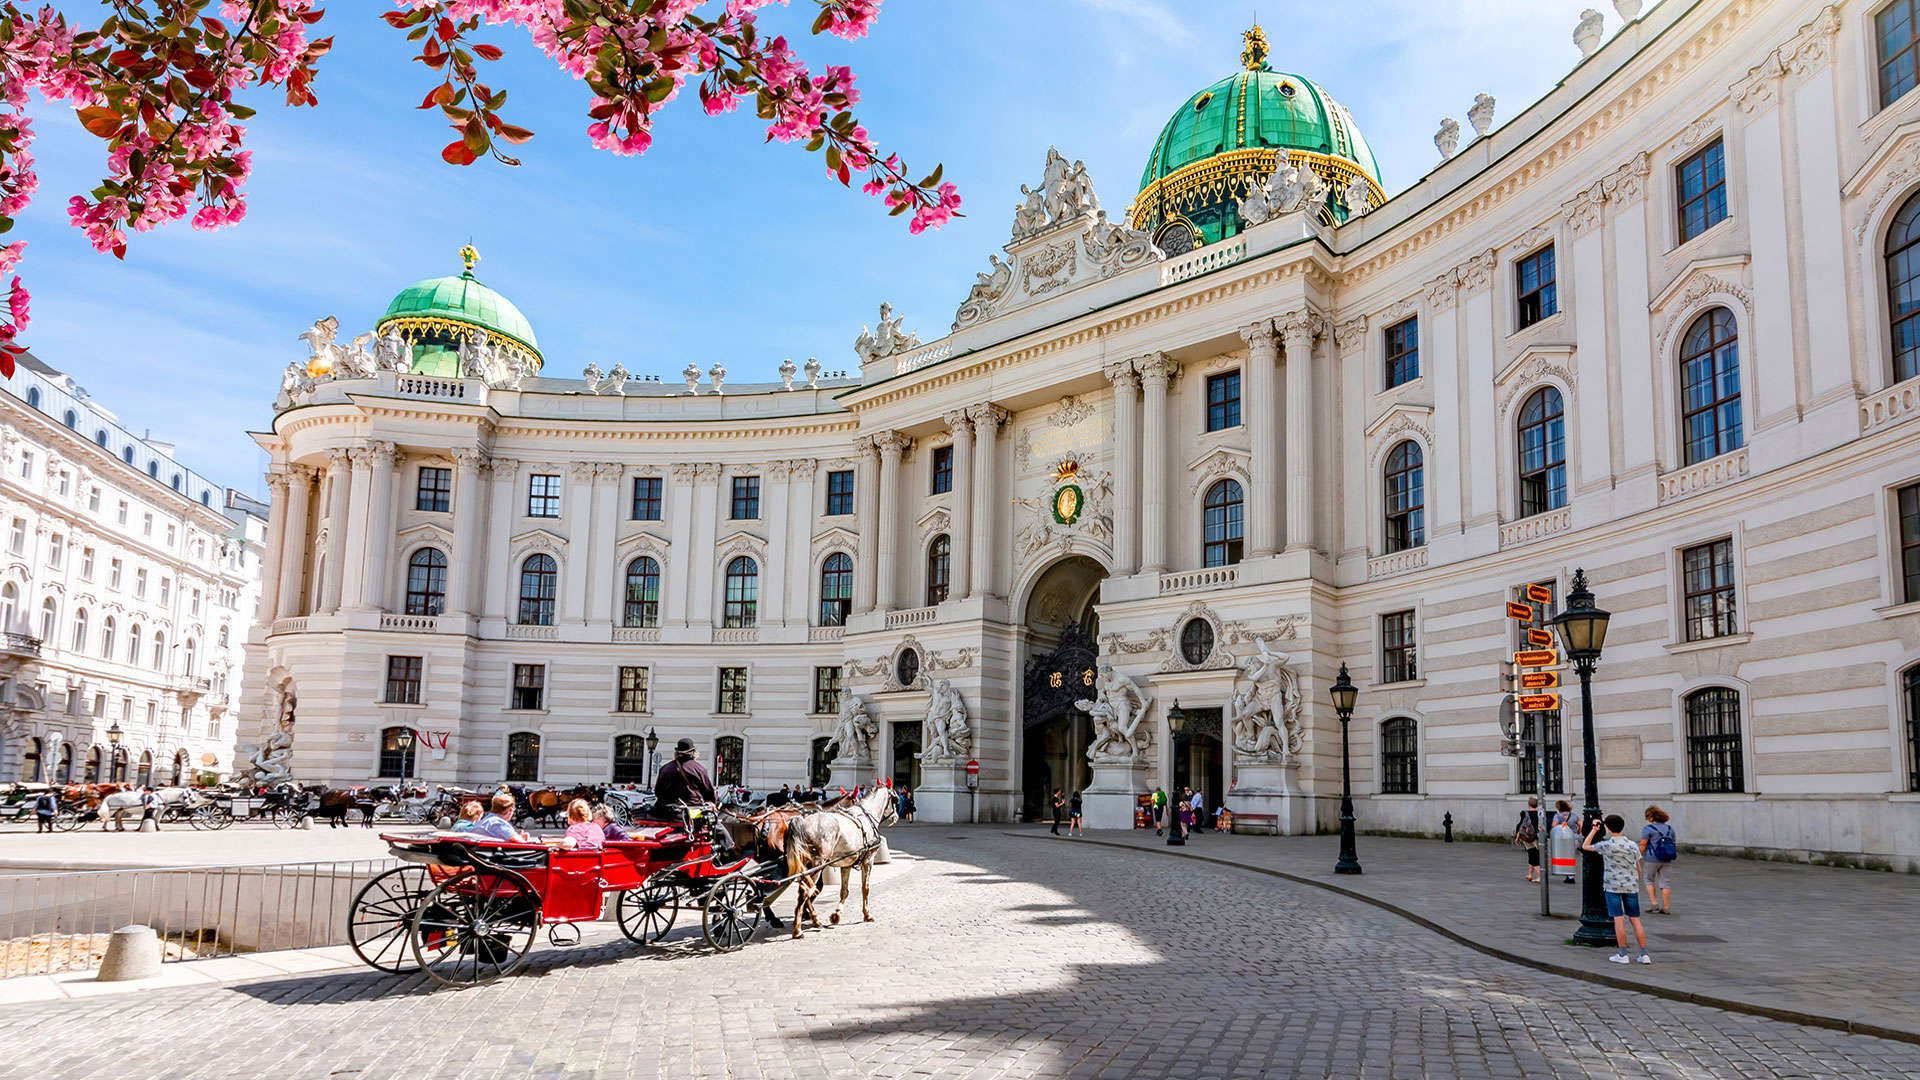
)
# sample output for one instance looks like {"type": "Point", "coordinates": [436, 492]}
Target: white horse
{"type": "Point", "coordinates": [117, 805]}
{"type": "Point", "coordinates": [847, 836]}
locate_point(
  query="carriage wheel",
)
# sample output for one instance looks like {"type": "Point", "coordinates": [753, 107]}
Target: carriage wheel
{"type": "Point", "coordinates": [68, 820]}
{"type": "Point", "coordinates": [620, 813]}
{"type": "Point", "coordinates": [281, 817]}
{"type": "Point", "coordinates": [217, 816]}
{"type": "Point", "coordinates": [377, 921]}
{"type": "Point", "coordinates": [476, 927]}
{"type": "Point", "coordinates": [646, 914]}
{"type": "Point", "coordinates": [731, 913]}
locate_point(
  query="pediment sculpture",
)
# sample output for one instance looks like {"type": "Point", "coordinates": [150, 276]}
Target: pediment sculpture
{"type": "Point", "coordinates": [1288, 190]}
{"type": "Point", "coordinates": [888, 338]}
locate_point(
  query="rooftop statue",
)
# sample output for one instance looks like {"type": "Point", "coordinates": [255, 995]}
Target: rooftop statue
{"type": "Point", "coordinates": [888, 338]}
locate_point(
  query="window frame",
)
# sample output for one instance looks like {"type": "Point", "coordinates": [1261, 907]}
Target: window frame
{"type": "Point", "coordinates": [544, 492]}
{"type": "Point", "coordinates": [1399, 646]}
{"type": "Point", "coordinates": [726, 694]}
{"type": "Point", "coordinates": [1706, 198]}
{"type": "Point", "coordinates": [1533, 306]}
{"type": "Point", "coordinates": [405, 680]}
{"type": "Point", "coordinates": [1231, 545]}
{"type": "Point", "coordinates": [840, 502]}
{"type": "Point", "coordinates": [639, 778]}
{"type": "Point", "coordinates": [828, 673]}
{"type": "Point", "coordinates": [1401, 361]}
{"type": "Point", "coordinates": [527, 690]}
{"type": "Point", "coordinates": [1720, 618]}
{"type": "Point", "coordinates": [544, 582]}
{"type": "Point", "coordinates": [1910, 685]}
{"type": "Point", "coordinates": [648, 499]}
{"type": "Point", "coordinates": [842, 605]}
{"type": "Point", "coordinates": [426, 593]}
{"type": "Point", "coordinates": [633, 683]}
{"type": "Point", "coordinates": [641, 611]}
{"type": "Point", "coordinates": [396, 762]}
{"type": "Point", "coordinates": [1906, 542]}
{"type": "Point", "coordinates": [1403, 506]}
{"type": "Point", "coordinates": [745, 502]}
{"type": "Point", "coordinates": [1399, 764]}
{"type": "Point", "coordinates": [1726, 437]}
{"type": "Point", "coordinates": [433, 489]}
{"type": "Point", "coordinates": [1902, 365]}
{"type": "Point", "coordinates": [1910, 51]}
{"type": "Point", "coordinates": [516, 756]}
{"type": "Point", "coordinates": [740, 607]}
{"type": "Point", "coordinates": [939, 569]}
{"type": "Point", "coordinates": [729, 770]}
{"type": "Point", "coordinates": [1223, 401]}
{"type": "Point", "coordinates": [940, 470]}
{"type": "Point", "coordinates": [1535, 489]}
{"type": "Point", "coordinates": [1715, 762]}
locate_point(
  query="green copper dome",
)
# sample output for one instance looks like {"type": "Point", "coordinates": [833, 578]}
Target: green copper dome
{"type": "Point", "coordinates": [436, 313]}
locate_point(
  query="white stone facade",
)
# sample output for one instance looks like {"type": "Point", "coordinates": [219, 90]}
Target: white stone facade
{"type": "Point", "coordinates": [1084, 361]}
{"type": "Point", "coordinates": [125, 596]}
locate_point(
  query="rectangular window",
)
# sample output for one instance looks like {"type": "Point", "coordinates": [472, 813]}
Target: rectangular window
{"type": "Point", "coordinates": [1550, 729]}
{"type": "Point", "coordinates": [123, 511]}
{"type": "Point", "coordinates": [170, 536]}
{"type": "Point", "coordinates": [1899, 45]}
{"type": "Point", "coordinates": [1707, 577]}
{"type": "Point", "coordinates": [435, 493]}
{"type": "Point", "coordinates": [66, 481]}
{"type": "Point", "coordinates": [1223, 401]}
{"type": "Point", "coordinates": [1909, 498]}
{"type": "Point", "coordinates": [17, 537]}
{"type": "Point", "coordinates": [1533, 281]}
{"type": "Point", "coordinates": [403, 680]}
{"type": "Point", "coordinates": [146, 524]}
{"type": "Point", "coordinates": [113, 574]}
{"type": "Point", "coordinates": [529, 686]}
{"type": "Point", "coordinates": [1403, 351]}
{"type": "Point", "coordinates": [153, 715]}
{"type": "Point", "coordinates": [840, 492]}
{"type": "Point", "coordinates": [1397, 660]}
{"type": "Point", "coordinates": [86, 563]}
{"type": "Point", "coordinates": [140, 584]}
{"type": "Point", "coordinates": [646, 498]}
{"type": "Point", "coordinates": [194, 607]}
{"type": "Point", "coordinates": [56, 548]}
{"type": "Point", "coordinates": [543, 495]}
{"type": "Point", "coordinates": [826, 689]}
{"type": "Point", "coordinates": [733, 691]}
{"type": "Point", "coordinates": [26, 464]}
{"type": "Point", "coordinates": [942, 470]}
{"type": "Point", "coordinates": [93, 500]}
{"type": "Point", "coordinates": [746, 498]}
{"type": "Point", "coordinates": [633, 690]}
{"type": "Point", "coordinates": [166, 589]}
{"type": "Point", "coordinates": [1700, 182]}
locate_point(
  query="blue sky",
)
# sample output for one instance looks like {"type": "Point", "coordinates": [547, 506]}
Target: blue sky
{"type": "Point", "coordinates": [712, 246]}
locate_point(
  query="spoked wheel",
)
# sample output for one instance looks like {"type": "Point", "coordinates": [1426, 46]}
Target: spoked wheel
{"type": "Point", "coordinates": [377, 923]}
{"type": "Point", "coordinates": [476, 927]}
{"type": "Point", "coordinates": [731, 913]}
{"type": "Point", "coordinates": [212, 816]}
{"type": "Point", "coordinates": [69, 820]}
{"type": "Point", "coordinates": [646, 914]}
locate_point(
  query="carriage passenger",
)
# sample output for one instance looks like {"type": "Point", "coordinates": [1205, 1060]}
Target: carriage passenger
{"type": "Point", "coordinates": [582, 833]}
{"type": "Point", "coordinates": [608, 827]}
{"type": "Point", "coordinates": [470, 812]}
{"type": "Point", "coordinates": [495, 823]}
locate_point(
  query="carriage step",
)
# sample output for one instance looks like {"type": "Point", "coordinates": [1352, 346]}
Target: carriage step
{"type": "Point", "coordinates": [563, 935]}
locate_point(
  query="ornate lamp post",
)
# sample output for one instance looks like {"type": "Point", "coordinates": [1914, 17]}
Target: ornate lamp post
{"type": "Point", "coordinates": [1176, 721]}
{"type": "Point", "coordinates": [1583, 630]}
{"type": "Point", "coordinates": [114, 733]}
{"type": "Point", "coordinates": [1344, 695]}
{"type": "Point", "coordinates": [653, 743]}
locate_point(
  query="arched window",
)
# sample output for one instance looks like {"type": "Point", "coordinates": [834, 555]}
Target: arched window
{"type": "Point", "coordinates": [1710, 387]}
{"type": "Point", "coordinates": [1912, 682]}
{"type": "Point", "coordinates": [160, 654]}
{"type": "Point", "coordinates": [117, 767]}
{"type": "Point", "coordinates": [643, 593]}
{"type": "Point", "coordinates": [1406, 494]}
{"type": "Point", "coordinates": [742, 606]}
{"type": "Point", "coordinates": [1903, 288]}
{"type": "Point", "coordinates": [126, 454]}
{"type": "Point", "coordinates": [133, 644]}
{"type": "Point", "coordinates": [92, 773]}
{"type": "Point", "coordinates": [179, 768]}
{"type": "Point", "coordinates": [80, 630]}
{"type": "Point", "coordinates": [836, 589]}
{"type": "Point", "coordinates": [100, 436]}
{"type": "Point", "coordinates": [939, 569]}
{"type": "Point", "coordinates": [426, 582]}
{"type": "Point", "coordinates": [523, 756]}
{"type": "Point", "coordinates": [729, 759]}
{"type": "Point", "coordinates": [63, 769]}
{"type": "Point", "coordinates": [32, 767]}
{"type": "Point", "coordinates": [1713, 741]}
{"type": "Point", "coordinates": [187, 656]}
{"type": "Point", "coordinates": [1224, 524]}
{"type": "Point", "coordinates": [225, 636]}
{"type": "Point", "coordinates": [1543, 453]}
{"type": "Point", "coordinates": [145, 775]}
{"type": "Point", "coordinates": [176, 481]}
{"type": "Point", "coordinates": [1399, 757]}
{"type": "Point", "coordinates": [153, 469]}
{"type": "Point", "coordinates": [33, 396]}
{"type": "Point", "coordinates": [630, 760]}
{"type": "Point", "coordinates": [70, 418]}
{"type": "Point", "coordinates": [9, 604]}
{"type": "Point", "coordinates": [49, 619]}
{"type": "Point", "coordinates": [396, 753]}
{"type": "Point", "coordinates": [106, 638]}
{"type": "Point", "coordinates": [820, 763]}
{"type": "Point", "coordinates": [539, 580]}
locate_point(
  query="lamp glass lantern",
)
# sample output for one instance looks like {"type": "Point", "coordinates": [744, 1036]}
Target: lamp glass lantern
{"type": "Point", "coordinates": [1176, 717]}
{"type": "Point", "coordinates": [1582, 626]}
{"type": "Point", "coordinates": [653, 740]}
{"type": "Point", "coordinates": [1344, 692]}
{"type": "Point", "coordinates": [114, 733]}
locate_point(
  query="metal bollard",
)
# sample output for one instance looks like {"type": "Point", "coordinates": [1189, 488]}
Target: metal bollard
{"type": "Point", "coordinates": [1446, 823]}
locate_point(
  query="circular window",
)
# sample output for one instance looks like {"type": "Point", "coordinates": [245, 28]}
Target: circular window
{"type": "Point", "coordinates": [1286, 89]}
{"type": "Point", "coordinates": [907, 669]}
{"type": "Point", "coordinates": [1196, 641]}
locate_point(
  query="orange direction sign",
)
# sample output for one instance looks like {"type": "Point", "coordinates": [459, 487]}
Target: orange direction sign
{"type": "Point", "coordinates": [1519, 612]}
{"type": "Point", "coordinates": [1538, 638]}
{"type": "Point", "coordinates": [1539, 680]}
{"type": "Point", "coordinates": [1536, 658]}
{"type": "Point", "coordinates": [1537, 702]}
{"type": "Point", "coordinates": [1540, 594]}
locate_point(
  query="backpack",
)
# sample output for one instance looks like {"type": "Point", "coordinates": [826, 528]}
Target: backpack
{"type": "Point", "coordinates": [1663, 849]}
{"type": "Point", "coordinates": [1528, 832]}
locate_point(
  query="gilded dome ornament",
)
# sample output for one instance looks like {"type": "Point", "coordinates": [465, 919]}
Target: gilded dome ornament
{"type": "Point", "coordinates": [437, 315]}
{"type": "Point", "coordinates": [1253, 54]}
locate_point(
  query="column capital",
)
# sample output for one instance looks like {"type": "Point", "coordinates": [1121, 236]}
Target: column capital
{"type": "Point", "coordinates": [341, 457]}
{"type": "Point", "coordinates": [279, 479]}
{"type": "Point", "coordinates": [864, 447]}
{"type": "Point", "coordinates": [893, 443]}
{"type": "Point", "coordinates": [1586, 210]}
{"type": "Point", "coordinates": [1628, 183]}
{"type": "Point", "coordinates": [469, 458]}
{"type": "Point", "coordinates": [957, 420]}
{"type": "Point", "coordinates": [706, 470]}
{"type": "Point", "coordinates": [1351, 334]}
{"type": "Point", "coordinates": [303, 473]}
{"type": "Point", "coordinates": [1259, 335]}
{"type": "Point", "coordinates": [582, 471]}
{"type": "Point", "coordinates": [1300, 328]}
{"type": "Point", "coordinates": [987, 418]}
{"type": "Point", "coordinates": [778, 469]}
{"type": "Point", "coordinates": [503, 468]}
{"type": "Point", "coordinates": [608, 471]}
{"type": "Point", "coordinates": [1123, 375]}
{"type": "Point", "coordinates": [680, 470]}
{"type": "Point", "coordinates": [384, 454]}
{"type": "Point", "coordinates": [1157, 368]}
{"type": "Point", "coordinates": [803, 468]}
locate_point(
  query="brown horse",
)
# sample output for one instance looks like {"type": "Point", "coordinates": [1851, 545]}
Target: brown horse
{"type": "Point", "coordinates": [846, 836]}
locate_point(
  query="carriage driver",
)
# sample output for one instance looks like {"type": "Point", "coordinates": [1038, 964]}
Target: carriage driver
{"type": "Point", "coordinates": [684, 786]}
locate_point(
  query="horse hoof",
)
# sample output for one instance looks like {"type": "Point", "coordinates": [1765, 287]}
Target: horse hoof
{"type": "Point", "coordinates": [868, 918]}
{"type": "Point", "coordinates": [834, 918]}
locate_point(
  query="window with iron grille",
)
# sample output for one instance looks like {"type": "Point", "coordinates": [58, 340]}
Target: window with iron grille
{"type": "Point", "coordinates": [1223, 521]}
{"type": "Point", "coordinates": [1550, 727]}
{"type": "Point", "coordinates": [642, 606]}
{"type": "Point", "coordinates": [523, 756]}
{"type": "Point", "coordinates": [826, 689]}
{"type": "Point", "coordinates": [942, 470]}
{"type": "Point", "coordinates": [1403, 352]}
{"type": "Point", "coordinates": [646, 498]}
{"type": "Point", "coordinates": [1707, 580]}
{"type": "Point", "coordinates": [742, 606]}
{"type": "Point", "coordinates": [1534, 283]}
{"type": "Point", "coordinates": [836, 589]}
{"type": "Point", "coordinates": [1909, 500]}
{"type": "Point", "coordinates": [839, 492]}
{"type": "Point", "coordinates": [729, 760]}
{"type": "Point", "coordinates": [543, 495]}
{"type": "Point", "coordinates": [1398, 662]}
{"type": "Point", "coordinates": [529, 686]}
{"type": "Point", "coordinates": [403, 679]}
{"type": "Point", "coordinates": [426, 582]}
{"type": "Point", "coordinates": [435, 492]}
{"type": "Point", "coordinates": [1898, 41]}
{"type": "Point", "coordinates": [1542, 446]}
{"type": "Point", "coordinates": [1406, 495]}
{"type": "Point", "coordinates": [939, 569]}
{"type": "Point", "coordinates": [396, 753]}
{"type": "Point", "coordinates": [1912, 679]}
{"type": "Point", "coordinates": [1700, 182]}
{"type": "Point", "coordinates": [1710, 387]}
{"type": "Point", "coordinates": [746, 498]}
{"type": "Point", "coordinates": [539, 580]}
{"type": "Point", "coordinates": [1399, 757]}
{"type": "Point", "coordinates": [633, 690]}
{"type": "Point", "coordinates": [629, 759]}
{"type": "Point", "coordinates": [733, 691]}
{"type": "Point", "coordinates": [1223, 401]}
{"type": "Point", "coordinates": [1713, 742]}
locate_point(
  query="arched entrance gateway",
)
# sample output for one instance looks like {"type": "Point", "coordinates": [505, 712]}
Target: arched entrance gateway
{"type": "Point", "coordinates": [1063, 628]}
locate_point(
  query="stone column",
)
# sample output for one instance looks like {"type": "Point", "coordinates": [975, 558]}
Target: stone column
{"type": "Point", "coordinates": [293, 544]}
{"type": "Point", "coordinates": [1126, 467]}
{"type": "Point", "coordinates": [677, 588]}
{"type": "Point", "coordinates": [961, 579]}
{"type": "Point", "coordinates": [340, 467]}
{"type": "Point", "coordinates": [466, 555]}
{"type": "Point", "coordinates": [497, 581]}
{"type": "Point", "coordinates": [1298, 330]}
{"type": "Point", "coordinates": [277, 488]}
{"type": "Point", "coordinates": [775, 494]}
{"type": "Point", "coordinates": [892, 444]}
{"type": "Point", "coordinates": [866, 483]}
{"type": "Point", "coordinates": [987, 422]}
{"type": "Point", "coordinates": [353, 569]}
{"type": "Point", "coordinates": [799, 547]}
{"type": "Point", "coordinates": [579, 530]}
{"type": "Point", "coordinates": [382, 459]}
{"type": "Point", "coordinates": [1156, 370]}
{"type": "Point", "coordinates": [704, 598]}
{"type": "Point", "coordinates": [1263, 433]}
{"type": "Point", "coordinates": [601, 574]}
{"type": "Point", "coordinates": [1592, 466]}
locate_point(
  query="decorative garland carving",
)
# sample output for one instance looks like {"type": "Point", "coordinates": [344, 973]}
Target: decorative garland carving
{"type": "Point", "coordinates": [1530, 375]}
{"type": "Point", "coordinates": [1683, 307]}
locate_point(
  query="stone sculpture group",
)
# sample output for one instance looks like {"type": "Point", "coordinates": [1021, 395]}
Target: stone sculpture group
{"type": "Point", "coordinates": [946, 736]}
{"type": "Point", "coordinates": [1116, 709]}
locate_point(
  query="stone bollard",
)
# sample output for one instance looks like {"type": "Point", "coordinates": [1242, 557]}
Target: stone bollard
{"type": "Point", "coordinates": [829, 875]}
{"type": "Point", "coordinates": [133, 952]}
{"type": "Point", "coordinates": [149, 825]}
{"type": "Point", "coordinates": [305, 822]}
{"type": "Point", "coordinates": [881, 856]}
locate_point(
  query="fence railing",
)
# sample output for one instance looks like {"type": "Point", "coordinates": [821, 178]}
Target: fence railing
{"type": "Point", "coordinates": [55, 922]}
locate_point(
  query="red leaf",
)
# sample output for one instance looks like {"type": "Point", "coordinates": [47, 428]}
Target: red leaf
{"type": "Point", "coordinates": [100, 121]}
{"type": "Point", "coordinates": [488, 52]}
{"type": "Point", "coordinates": [456, 153]}
{"type": "Point", "coordinates": [6, 361]}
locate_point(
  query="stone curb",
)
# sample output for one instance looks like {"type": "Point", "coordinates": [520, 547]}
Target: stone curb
{"type": "Point", "coordinates": [1834, 1023]}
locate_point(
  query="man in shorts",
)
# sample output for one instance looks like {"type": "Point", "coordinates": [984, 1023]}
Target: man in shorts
{"type": "Point", "coordinates": [1620, 880]}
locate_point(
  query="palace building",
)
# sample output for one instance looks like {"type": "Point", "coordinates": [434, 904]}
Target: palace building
{"type": "Point", "coordinates": [1661, 327]}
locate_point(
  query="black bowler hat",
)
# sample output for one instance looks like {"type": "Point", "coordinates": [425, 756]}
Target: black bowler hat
{"type": "Point", "coordinates": [684, 746]}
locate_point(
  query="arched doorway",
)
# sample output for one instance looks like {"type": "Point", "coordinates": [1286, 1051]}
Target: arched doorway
{"type": "Point", "coordinates": [1063, 628]}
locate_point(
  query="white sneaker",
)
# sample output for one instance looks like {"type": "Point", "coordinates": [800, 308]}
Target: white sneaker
{"type": "Point", "coordinates": [1619, 958]}
{"type": "Point", "coordinates": [1645, 959]}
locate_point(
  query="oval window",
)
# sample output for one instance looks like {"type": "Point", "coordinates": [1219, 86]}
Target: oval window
{"type": "Point", "coordinates": [1196, 641]}
{"type": "Point", "coordinates": [906, 670]}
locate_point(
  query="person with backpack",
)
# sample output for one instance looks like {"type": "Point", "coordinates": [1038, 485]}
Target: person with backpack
{"type": "Point", "coordinates": [1659, 847]}
{"type": "Point", "coordinates": [1526, 835]}
{"type": "Point", "coordinates": [1159, 811]}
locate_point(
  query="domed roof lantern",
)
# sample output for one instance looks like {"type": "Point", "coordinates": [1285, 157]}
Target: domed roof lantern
{"type": "Point", "coordinates": [438, 313]}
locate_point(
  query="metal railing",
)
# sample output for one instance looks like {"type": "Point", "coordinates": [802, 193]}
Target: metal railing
{"type": "Point", "coordinates": [55, 922]}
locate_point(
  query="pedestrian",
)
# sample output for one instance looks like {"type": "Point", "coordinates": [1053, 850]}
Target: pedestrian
{"type": "Point", "coordinates": [1200, 819]}
{"type": "Point", "coordinates": [1620, 880]}
{"type": "Point", "coordinates": [46, 806]}
{"type": "Point", "coordinates": [1059, 803]}
{"type": "Point", "coordinates": [1159, 811]}
{"type": "Point", "coordinates": [1563, 838]}
{"type": "Point", "coordinates": [906, 805]}
{"type": "Point", "coordinates": [1526, 834]}
{"type": "Point", "coordinates": [1073, 818]}
{"type": "Point", "coordinates": [1658, 848]}
{"type": "Point", "coordinates": [1186, 812]}
{"type": "Point", "coordinates": [149, 808]}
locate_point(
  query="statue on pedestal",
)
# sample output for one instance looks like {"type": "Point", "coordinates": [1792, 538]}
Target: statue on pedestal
{"type": "Point", "coordinates": [1264, 716]}
{"type": "Point", "coordinates": [945, 735]}
{"type": "Point", "coordinates": [1117, 708]}
{"type": "Point", "coordinates": [854, 734]}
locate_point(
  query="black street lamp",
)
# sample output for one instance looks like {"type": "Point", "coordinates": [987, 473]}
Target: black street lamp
{"type": "Point", "coordinates": [1583, 630]}
{"type": "Point", "coordinates": [1344, 695]}
{"type": "Point", "coordinates": [114, 733]}
{"type": "Point", "coordinates": [653, 743]}
{"type": "Point", "coordinates": [1176, 721]}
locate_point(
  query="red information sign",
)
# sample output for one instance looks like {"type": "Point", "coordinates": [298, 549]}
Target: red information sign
{"type": "Point", "coordinates": [1539, 639]}
{"type": "Point", "coordinates": [1536, 658]}
{"type": "Point", "coordinates": [1540, 594]}
{"type": "Point", "coordinates": [1519, 611]}
{"type": "Point", "coordinates": [1537, 702]}
{"type": "Point", "coordinates": [1539, 680]}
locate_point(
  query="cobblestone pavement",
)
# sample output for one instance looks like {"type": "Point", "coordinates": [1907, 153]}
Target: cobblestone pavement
{"type": "Point", "coordinates": [994, 956]}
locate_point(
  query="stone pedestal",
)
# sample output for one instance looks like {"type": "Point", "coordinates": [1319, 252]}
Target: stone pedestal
{"type": "Point", "coordinates": [850, 772]}
{"type": "Point", "coordinates": [1108, 801]}
{"type": "Point", "coordinates": [942, 796]}
{"type": "Point", "coordinates": [1272, 788]}
{"type": "Point", "coordinates": [133, 952]}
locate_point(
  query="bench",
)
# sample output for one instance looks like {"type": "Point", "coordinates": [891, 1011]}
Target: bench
{"type": "Point", "coordinates": [1268, 824]}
